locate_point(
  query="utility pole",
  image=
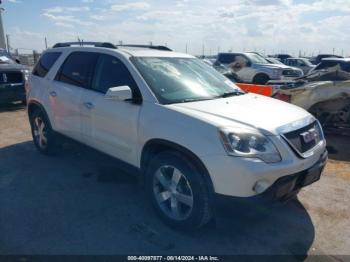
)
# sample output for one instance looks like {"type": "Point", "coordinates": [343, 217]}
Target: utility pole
{"type": "Point", "coordinates": [186, 48]}
{"type": "Point", "coordinates": [8, 43]}
{"type": "Point", "coordinates": [45, 42]}
{"type": "Point", "coordinates": [2, 31]}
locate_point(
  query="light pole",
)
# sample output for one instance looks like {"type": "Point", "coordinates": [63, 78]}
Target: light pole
{"type": "Point", "coordinates": [2, 33]}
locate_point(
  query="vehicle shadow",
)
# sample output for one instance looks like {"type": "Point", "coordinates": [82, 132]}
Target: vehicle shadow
{"type": "Point", "coordinates": [11, 107]}
{"type": "Point", "coordinates": [84, 203]}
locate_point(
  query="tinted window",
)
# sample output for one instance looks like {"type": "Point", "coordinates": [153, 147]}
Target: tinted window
{"type": "Point", "coordinates": [45, 63]}
{"type": "Point", "coordinates": [300, 63]}
{"type": "Point", "coordinates": [78, 69]}
{"type": "Point", "coordinates": [345, 67]}
{"type": "Point", "coordinates": [226, 58]}
{"type": "Point", "coordinates": [291, 62]}
{"type": "Point", "coordinates": [326, 64]}
{"type": "Point", "coordinates": [111, 72]}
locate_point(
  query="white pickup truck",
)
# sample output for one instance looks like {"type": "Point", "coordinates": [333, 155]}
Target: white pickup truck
{"type": "Point", "coordinates": [253, 68]}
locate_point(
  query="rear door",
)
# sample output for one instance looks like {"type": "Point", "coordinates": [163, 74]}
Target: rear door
{"type": "Point", "coordinates": [111, 126]}
{"type": "Point", "coordinates": [66, 91]}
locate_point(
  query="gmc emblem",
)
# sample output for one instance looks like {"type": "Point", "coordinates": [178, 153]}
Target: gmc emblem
{"type": "Point", "coordinates": [310, 135]}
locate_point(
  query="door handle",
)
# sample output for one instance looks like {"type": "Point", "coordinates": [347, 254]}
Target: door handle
{"type": "Point", "coordinates": [53, 93]}
{"type": "Point", "coordinates": [89, 105]}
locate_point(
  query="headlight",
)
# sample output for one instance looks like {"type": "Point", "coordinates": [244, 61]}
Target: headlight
{"type": "Point", "coordinates": [26, 74]}
{"type": "Point", "coordinates": [248, 143]}
{"type": "Point", "coordinates": [276, 72]}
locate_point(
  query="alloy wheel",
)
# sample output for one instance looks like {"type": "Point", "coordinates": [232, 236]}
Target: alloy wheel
{"type": "Point", "coordinates": [40, 135]}
{"type": "Point", "coordinates": [173, 192]}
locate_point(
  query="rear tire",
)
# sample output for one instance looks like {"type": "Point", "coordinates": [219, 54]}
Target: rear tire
{"type": "Point", "coordinates": [261, 79]}
{"type": "Point", "coordinates": [178, 191]}
{"type": "Point", "coordinates": [43, 136]}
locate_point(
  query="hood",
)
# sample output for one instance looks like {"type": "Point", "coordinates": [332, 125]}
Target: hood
{"type": "Point", "coordinates": [10, 67]}
{"type": "Point", "coordinates": [275, 66]}
{"type": "Point", "coordinates": [268, 115]}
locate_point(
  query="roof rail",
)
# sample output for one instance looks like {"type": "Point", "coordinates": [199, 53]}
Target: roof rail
{"type": "Point", "coordinates": [157, 47]}
{"type": "Point", "coordinates": [82, 43]}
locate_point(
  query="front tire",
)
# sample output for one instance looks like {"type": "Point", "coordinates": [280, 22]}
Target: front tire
{"type": "Point", "coordinates": [177, 191]}
{"type": "Point", "coordinates": [261, 79]}
{"type": "Point", "coordinates": [43, 136]}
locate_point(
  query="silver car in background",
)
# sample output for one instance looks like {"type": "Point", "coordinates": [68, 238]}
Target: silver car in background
{"type": "Point", "coordinates": [253, 68]}
{"type": "Point", "coordinates": [301, 63]}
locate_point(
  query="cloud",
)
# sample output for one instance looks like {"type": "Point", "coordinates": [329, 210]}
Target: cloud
{"type": "Point", "coordinates": [14, 1]}
{"type": "Point", "coordinates": [239, 25]}
{"type": "Point", "coordinates": [130, 6]}
{"type": "Point", "coordinates": [66, 20]}
{"type": "Point", "coordinates": [62, 9]}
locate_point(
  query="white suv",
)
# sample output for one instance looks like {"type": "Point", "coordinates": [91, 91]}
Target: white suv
{"type": "Point", "coordinates": [188, 130]}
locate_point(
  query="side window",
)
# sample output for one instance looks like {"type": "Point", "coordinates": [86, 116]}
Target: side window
{"type": "Point", "coordinates": [345, 67]}
{"type": "Point", "coordinates": [78, 69]}
{"type": "Point", "coordinates": [111, 72]}
{"type": "Point", "coordinates": [326, 65]}
{"type": "Point", "coordinates": [45, 63]}
{"type": "Point", "coordinates": [300, 63]}
{"type": "Point", "coordinates": [226, 58]}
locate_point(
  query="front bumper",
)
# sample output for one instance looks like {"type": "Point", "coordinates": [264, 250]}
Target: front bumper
{"type": "Point", "coordinates": [286, 187]}
{"type": "Point", "coordinates": [12, 93]}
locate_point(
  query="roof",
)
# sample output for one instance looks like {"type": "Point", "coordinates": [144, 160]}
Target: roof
{"type": "Point", "coordinates": [296, 58]}
{"type": "Point", "coordinates": [126, 50]}
{"type": "Point", "coordinates": [336, 59]}
{"type": "Point", "coordinates": [146, 52]}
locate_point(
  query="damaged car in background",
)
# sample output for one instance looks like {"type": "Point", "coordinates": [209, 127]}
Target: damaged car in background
{"type": "Point", "coordinates": [253, 68]}
{"type": "Point", "coordinates": [325, 93]}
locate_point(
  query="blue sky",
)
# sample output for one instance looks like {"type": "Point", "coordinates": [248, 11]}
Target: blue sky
{"type": "Point", "coordinates": [261, 25]}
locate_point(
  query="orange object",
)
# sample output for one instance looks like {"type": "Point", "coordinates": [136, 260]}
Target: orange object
{"type": "Point", "coordinates": [257, 89]}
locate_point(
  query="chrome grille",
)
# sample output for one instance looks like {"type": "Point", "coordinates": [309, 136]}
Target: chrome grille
{"type": "Point", "coordinates": [305, 139]}
{"type": "Point", "coordinates": [11, 77]}
{"type": "Point", "coordinates": [291, 73]}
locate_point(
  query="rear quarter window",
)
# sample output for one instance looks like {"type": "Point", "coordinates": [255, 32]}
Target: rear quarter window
{"type": "Point", "coordinates": [45, 63]}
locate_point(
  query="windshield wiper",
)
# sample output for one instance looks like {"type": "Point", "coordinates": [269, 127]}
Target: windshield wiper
{"type": "Point", "coordinates": [188, 100]}
{"type": "Point", "coordinates": [233, 93]}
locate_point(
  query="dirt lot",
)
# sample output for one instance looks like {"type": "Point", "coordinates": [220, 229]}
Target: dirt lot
{"type": "Point", "coordinates": [81, 202]}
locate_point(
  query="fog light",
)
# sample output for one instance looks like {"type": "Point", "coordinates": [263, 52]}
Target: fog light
{"type": "Point", "coordinates": [260, 186]}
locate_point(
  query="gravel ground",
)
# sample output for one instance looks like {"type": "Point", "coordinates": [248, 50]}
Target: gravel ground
{"type": "Point", "coordinates": [81, 202]}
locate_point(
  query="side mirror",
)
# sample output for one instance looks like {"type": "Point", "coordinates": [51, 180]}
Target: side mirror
{"type": "Point", "coordinates": [119, 93]}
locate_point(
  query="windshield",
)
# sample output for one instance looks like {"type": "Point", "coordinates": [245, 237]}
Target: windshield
{"type": "Point", "coordinates": [306, 62]}
{"type": "Point", "coordinates": [274, 61]}
{"type": "Point", "coordinates": [256, 59]}
{"type": "Point", "coordinates": [177, 80]}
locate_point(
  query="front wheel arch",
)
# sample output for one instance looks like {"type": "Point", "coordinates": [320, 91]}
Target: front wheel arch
{"type": "Point", "coordinates": [258, 79]}
{"type": "Point", "coordinates": [32, 106]}
{"type": "Point", "coordinates": [156, 146]}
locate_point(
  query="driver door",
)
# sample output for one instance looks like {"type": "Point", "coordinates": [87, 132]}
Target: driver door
{"type": "Point", "coordinates": [111, 126]}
